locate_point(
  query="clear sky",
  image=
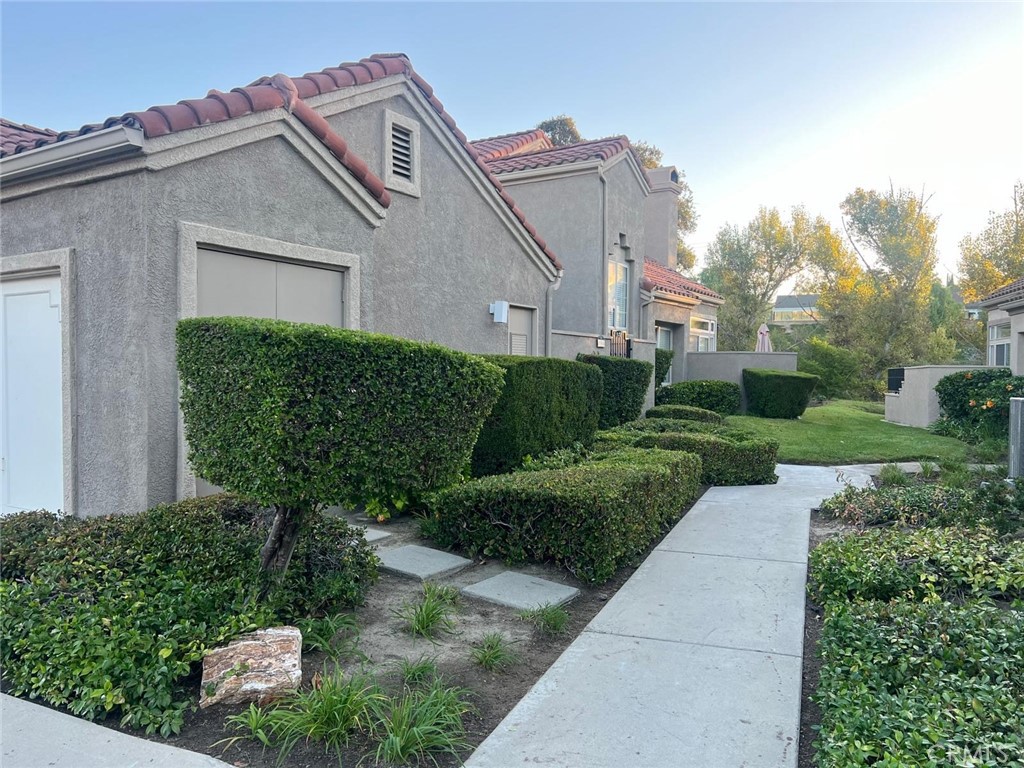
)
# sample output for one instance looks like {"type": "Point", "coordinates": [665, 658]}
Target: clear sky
{"type": "Point", "coordinates": [771, 104]}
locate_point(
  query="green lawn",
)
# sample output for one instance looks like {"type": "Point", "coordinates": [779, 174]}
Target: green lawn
{"type": "Point", "coordinates": [850, 432]}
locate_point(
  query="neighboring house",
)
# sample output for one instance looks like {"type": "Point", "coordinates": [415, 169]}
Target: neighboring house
{"type": "Point", "coordinates": [613, 223]}
{"type": "Point", "coordinates": [1006, 326]}
{"type": "Point", "coordinates": [795, 309]}
{"type": "Point", "coordinates": [347, 197]}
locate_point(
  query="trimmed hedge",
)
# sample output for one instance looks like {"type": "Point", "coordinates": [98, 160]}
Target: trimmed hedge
{"type": "Point", "coordinates": [662, 364]}
{"type": "Point", "coordinates": [591, 518]}
{"type": "Point", "coordinates": [681, 425]}
{"type": "Point", "coordinates": [546, 405]}
{"type": "Point", "coordinates": [684, 412]}
{"type": "Point", "coordinates": [723, 461]}
{"type": "Point", "coordinates": [957, 390]}
{"type": "Point", "coordinates": [118, 611]}
{"type": "Point", "coordinates": [625, 387]}
{"type": "Point", "coordinates": [774, 394]}
{"type": "Point", "coordinates": [719, 396]}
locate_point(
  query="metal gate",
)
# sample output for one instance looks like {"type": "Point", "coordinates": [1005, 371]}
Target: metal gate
{"type": "Point", "coordinates": [620, 345]}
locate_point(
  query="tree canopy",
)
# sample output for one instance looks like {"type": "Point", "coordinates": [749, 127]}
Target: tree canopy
{"type": "Point", "coordinates": [996, 256]}
{"type": "Point", "coordinates": [561, 129]}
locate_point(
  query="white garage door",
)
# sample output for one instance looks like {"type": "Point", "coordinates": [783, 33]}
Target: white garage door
{"type": "Point", "coordinates": [30, 380]}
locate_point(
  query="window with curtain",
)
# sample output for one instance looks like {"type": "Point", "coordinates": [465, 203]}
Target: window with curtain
{"type": "Point", "coordinates": [618, 296]}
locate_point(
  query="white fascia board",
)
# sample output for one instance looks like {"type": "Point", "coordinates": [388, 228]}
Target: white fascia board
{"type": "Point", "coordinates": [78, 150]}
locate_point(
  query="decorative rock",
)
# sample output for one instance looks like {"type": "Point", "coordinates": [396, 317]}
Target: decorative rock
{"type": "Point", "coordinates": [259, 666]}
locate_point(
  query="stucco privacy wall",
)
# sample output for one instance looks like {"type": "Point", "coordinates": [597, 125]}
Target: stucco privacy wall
{"type": "Point", "coordinates": [125, 233]}
{"type": "Point", "coordinates": [728, 366]}
{"type": "Point", "coordinates": [442, 258]}
{"type": "Point", "coordinates": [917, 404]}
{"type": "Point", "coordinates": [566, 211]}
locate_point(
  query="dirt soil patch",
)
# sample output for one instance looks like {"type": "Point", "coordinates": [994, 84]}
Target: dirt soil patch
{"type": "Point", "coordinates": [384, 642]}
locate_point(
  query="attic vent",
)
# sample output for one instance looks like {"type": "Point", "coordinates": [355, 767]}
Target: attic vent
{"type": "Point", "coordinates": [401, 152]}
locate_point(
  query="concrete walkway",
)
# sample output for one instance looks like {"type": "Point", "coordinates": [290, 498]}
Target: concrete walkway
{"type": "Point", "coordinates": [697, 660]}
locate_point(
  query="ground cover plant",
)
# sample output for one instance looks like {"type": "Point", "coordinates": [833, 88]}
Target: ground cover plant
{"type": "Point", "coordinates": [625, 387]}
{"type": "Point", "coordinates": [905, 505]}
{"type": "Point", "coordinates": [545, 405]}
{"type": "Point", "coordinates": [291, 415]}
{"type": "Point", "coordinates": [591, 518]}
{"type": "Point", "coordinates": [719, 396]}
{"type": "Point", "coordinates": [119, 610]}
{"type": "Point", "coordinates": [850, 432]}
{"type": "Point", "coordinates": [494, 652]}
{"type": "Point", "coordinates": [774, 394]}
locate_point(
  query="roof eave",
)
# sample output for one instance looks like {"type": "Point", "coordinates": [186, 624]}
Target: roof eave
{"type": "Point", "coordinates": [88, 149]}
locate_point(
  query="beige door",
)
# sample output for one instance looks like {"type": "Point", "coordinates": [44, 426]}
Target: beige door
{"type": "Point", "coordinates": [520, 331]}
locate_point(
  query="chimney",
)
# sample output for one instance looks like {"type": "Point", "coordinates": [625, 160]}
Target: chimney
{"type": "Point", "coordinates": [661, 215]}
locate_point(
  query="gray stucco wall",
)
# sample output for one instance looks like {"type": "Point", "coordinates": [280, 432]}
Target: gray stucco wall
{"type": "Point", "coordinates": [442, 258]}
{"type": "Point", "coordinates": [625, 216]}
{"type": "Point", "coordinates": [660, 227]}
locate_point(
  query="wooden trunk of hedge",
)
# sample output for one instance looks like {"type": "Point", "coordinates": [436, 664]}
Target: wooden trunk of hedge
{"type": "Point", "coordinates": [591, 518]}
{"type": "Point", "coordinates": [298, 416]}
{"type": "Point", "coordinates": [625, 387]}
{"type": "Point", "coordinates": [774, 394]}
{"type": "Point", "coordinates": [546, 404]}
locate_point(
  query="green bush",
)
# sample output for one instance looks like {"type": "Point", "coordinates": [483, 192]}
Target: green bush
{"type": "Point", "coordinates": [662, 364]}
{"type": "Point", "coordinates": [775, 394]}
{"type": "Point", "coordinates": [591, 518]}
{"type": "Point", "coordinates": [719, 396]}
{"type": "Point", "coordinates": [298, 416]}
{"type": "Point", "coordinates": [625, 387]}
{"type": "Point", "coordinates": [659, 425]}
{"type": "Point", "coordinates": [957, 390]}
{"type": "Point", "coordinates": [922, 564]}
{"type": "Point", "coordinates": [684, 412]}
{"type": "Point", "coordinates": [839, 371]}
{"type": "Point", "coordinates": [723, 461]}
{"type": "Point", "coordinates": [905, 684]}
{"type": "Point", "coordinates": [118, 611]}
{"type": "Point", "coordinates": [546, 404]}
{"type": "Point", "coordinates": [913, 505]}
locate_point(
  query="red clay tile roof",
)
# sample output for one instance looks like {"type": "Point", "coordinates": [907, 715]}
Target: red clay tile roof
{"type": "Point", "coordinates": [658, 277]}
{"type": "Point", "coordinates": [599, 149]}
{"type": "Point", "coordinates": [1012, 292]}
{"type": "Point", "coordinates": [512, 144]}
{"type": "Point", "coordinates": [272, 93]}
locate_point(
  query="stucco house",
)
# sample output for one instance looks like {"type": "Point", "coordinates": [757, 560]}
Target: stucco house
{"type": "Point", "coordinates": [346, 196]}
{"type": "Point", "coordinates": [1006, 326]}
{"type": "Point", "coordinates": [614, 224]}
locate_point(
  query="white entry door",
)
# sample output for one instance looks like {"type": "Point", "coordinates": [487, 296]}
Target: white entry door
{"type": "Point", "coordinates": [30, 383]}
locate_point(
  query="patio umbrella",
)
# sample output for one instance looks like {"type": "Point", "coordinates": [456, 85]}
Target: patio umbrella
{"type": "Point", "coordinates": [764, 342]}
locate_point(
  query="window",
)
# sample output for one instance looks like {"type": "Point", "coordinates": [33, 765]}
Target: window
{"type": "Point", "coordinates": [702, 335]}
{"type": "Point", "coordinates": [999, 344]}
{"type": "Point", "coordinates": [618, 296]}
{"type": "Point", "coordinates": [401, 153]}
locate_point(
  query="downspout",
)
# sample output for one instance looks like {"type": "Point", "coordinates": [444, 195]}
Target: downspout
{"type": "Point", "coordinates": [549, 300]}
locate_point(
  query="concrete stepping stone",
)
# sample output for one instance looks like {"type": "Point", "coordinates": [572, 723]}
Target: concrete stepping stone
{"type": "Point", "coordinates": [519, 591]}
{"type": "Point", "coordinates": [374, 534]}
{"type": "Point", "coordinates": [421, 562]}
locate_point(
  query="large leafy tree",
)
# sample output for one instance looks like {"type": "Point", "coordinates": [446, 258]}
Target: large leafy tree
{"type": "Point", "coordinates": [996, 256]}
{"type": "Point", "coordinates": [748, 265]}
{"type": "Point", "coordinates": [561, 129]}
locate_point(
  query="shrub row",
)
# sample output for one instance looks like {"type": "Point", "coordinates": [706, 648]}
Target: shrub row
{"type": "Point", "coordinates": [684, 412]}
{"type": "Point", "coordinates": [719, 396]}
{"type": "Point", "coordinates": [913, 505]}
{"type": "Point", "coordinates": [775, 394]}
{"type": "Point", "coordinates": [546, 404]}
{"type": "Point", "coordinates": [110, 614]}
{"type": "Point", "coordinates": [907, 684]}
{"type": "Point", "coordinates": [625, 387]}
{"type": "Point", "coordinates": [591, 518]}
{"type": "Point", "coordinates": [922, 564]}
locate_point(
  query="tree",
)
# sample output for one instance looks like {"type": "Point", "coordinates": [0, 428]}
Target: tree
{"type": "Point", "coordinates": [996, 256]}
{"type": "Point", "coordinates": [650, 156]}
{"type": "Point", "coordinates": [747, 266]}
{"type": "Point", "coordinates": [561, 129]}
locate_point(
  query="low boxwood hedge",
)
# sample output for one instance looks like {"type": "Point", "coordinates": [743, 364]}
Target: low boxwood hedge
{"type": "Point", "coordinates": [591, 518]}
{"type": "Point", "coordinates": [685, 412]}
{"type": "Point", "coordinates": [546, 405]}
{"type": "Point", "coordinates": [625, 387]}
{"type": "Point", "coordinates": [723, 461]}
{"type": "Point", "coordinates": [719, 396]}
{"type": "Point", "coordinates": [775, 394]}
{"type": "Point", "coordinates": [118, 611]}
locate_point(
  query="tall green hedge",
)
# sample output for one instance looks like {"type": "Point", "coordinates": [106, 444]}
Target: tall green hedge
{"type": "Point", "coordinates": [546, 404]}
{"type": "Point", "coordinates": [662, 364]}
{"type": "Point", "coordinates": [774, 394]}
{"type": "Point", "coordinates": [625, 387]}
{"type": "Point", "coordinates": [296, 416]}
{"type": "Point", "coordinates": [591, 518]}
{"type": "Point", "coordinates": [723, 461]}
{"type": "Point", "coordinates": [719, 396]}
